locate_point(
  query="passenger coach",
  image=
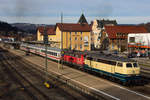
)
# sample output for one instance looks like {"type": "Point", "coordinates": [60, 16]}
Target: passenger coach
{"type": "Point", "coordinates": [52, 53]}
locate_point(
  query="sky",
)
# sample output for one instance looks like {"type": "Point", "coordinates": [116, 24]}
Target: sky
{"type": "Point", "coordinates": [49, 11]}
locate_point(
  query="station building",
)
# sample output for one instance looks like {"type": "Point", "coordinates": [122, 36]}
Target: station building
{"type": "Point", "coordinates": [74, 36]}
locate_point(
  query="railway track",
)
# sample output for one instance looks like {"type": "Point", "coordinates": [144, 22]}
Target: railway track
{"type": "Point", "coordinates": [145, 72]}
{"type": "Point", "coordinates": [25, 85]}
{"type": "Point", "coordinates": [33, 86]}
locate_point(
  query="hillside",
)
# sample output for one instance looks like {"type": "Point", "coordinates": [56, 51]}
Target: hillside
{"type": "Point", "coordinates": [7, 30]}
{"type": "Point", "coordinates": [27, 27]}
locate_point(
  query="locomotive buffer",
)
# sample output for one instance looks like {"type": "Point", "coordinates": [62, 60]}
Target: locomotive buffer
{"type": "Point", "coordinates": [47, 85]}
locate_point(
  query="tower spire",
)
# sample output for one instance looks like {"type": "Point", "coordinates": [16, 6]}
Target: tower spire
{"type": "Point", "coordinates": [82, 19]}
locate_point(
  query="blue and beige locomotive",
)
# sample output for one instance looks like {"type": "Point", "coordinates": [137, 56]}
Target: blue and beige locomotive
{"type": "Point", "coordinates": [115, 68]}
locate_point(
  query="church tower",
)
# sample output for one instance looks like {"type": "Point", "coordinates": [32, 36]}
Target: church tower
{"type": "Point", "coordinates": [82, 20]}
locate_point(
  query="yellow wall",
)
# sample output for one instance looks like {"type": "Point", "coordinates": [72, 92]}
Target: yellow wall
{"type": "Point", "coordinates": [39, 36]}
{"type": "Point", "coordinates": [70, 42]}
{"type": "Point", "coordinates": [50, 37]}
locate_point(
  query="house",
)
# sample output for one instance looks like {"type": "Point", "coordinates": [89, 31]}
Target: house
{"type": "Point", "coordinates": [73, 36]}
{"type": "Point", "coordinates": [118, 34]}
{"type": "Point", "coordinates": [50, 31]}
{"type": "Point", "coordinates": [97, 30]}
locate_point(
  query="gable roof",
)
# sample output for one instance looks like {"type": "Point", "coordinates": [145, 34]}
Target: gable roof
{"type": "Point", "coordinates": [113, 30]}
{"type": "Point", "coordinates": [71, 27]}
{"type": "Point", "coordinates": [82, 19]}
{"type": "Point", "coordinates": [49, 30]}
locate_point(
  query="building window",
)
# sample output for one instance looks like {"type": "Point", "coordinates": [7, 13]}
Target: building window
{"type": "Point", "coordinates": [70, 38]}
{"type": "Point", "coordinates": [70, 35]}
{"type": "Point", "coordinates": [75, 46]}
{"type": "Point", "coordinates": [75, 33]}
{"type": "Point", "coordinates": [81, 46]}
{"type": "Point", "coordinates": [70, 46]}
{"type": "Point", "coordinates": [132, 39]}
{"type": "Point", "coordinates": [75, 38]}
{"type": "Point", "coordinates": [81, 38]}
{"type": "Point", "coordinates": [112, 45]}
{"type": "Point", "coordinates": [81, 33]}
{"type": "Point", "coordinates": [119, 34]}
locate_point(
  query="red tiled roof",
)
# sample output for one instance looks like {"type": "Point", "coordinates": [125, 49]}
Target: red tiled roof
{"type": "Point", "coordinates": [113, 30]}
{"type": "Point", "coordinates": [71, 27]}
{"type": "Point", "coordinates": [49, 30]}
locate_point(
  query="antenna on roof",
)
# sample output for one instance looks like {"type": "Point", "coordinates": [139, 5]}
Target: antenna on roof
{"type": "Point", "coordinates": [82, 11]}
{"type": "Point", "coordinates": [61, 17]}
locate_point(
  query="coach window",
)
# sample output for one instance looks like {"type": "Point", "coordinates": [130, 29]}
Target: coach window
{"type": "Point", "coordinates": [132, 39]}
{"type": "Point", "coordinates": [119, 64]}
{"type": "Point", "coordinates": [112, 63]}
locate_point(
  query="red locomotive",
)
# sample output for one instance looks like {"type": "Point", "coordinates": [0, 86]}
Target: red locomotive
{"type": "Point", "coordinates": [74, 58]}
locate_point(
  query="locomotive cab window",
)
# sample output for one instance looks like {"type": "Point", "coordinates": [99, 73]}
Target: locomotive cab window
{"type": "Point", "coordinates": [128, 65]}
{"type": "Point", "coordinates": [119, 64]}
{"type": "Point", "coordinates": [89, 58]}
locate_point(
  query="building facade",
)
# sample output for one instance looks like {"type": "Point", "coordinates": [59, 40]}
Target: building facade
{"type": "Point", "coordinates": [118, 34]}
{"type": "Point", "coordinates": [50, 31]}
{"type": "Point", "coordinates": [73, 36]}
{"type": "Point", "coordinates": [98, 29]}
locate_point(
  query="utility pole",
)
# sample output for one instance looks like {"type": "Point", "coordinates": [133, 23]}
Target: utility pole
{"type": "Point", "coordinates": [46, 72]}
{"type": "Point", "coordinates": [61, 59]}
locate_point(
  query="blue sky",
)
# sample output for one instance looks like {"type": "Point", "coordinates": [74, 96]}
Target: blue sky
{"type": "Point", "coordinates": [48, 11]}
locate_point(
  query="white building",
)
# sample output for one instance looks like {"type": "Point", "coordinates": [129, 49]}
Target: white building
{"type": "Point", "coordinates": [140, 40]}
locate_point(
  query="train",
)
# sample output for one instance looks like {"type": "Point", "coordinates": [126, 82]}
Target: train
{"type": "Point", "coordinates": [119, 69]}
